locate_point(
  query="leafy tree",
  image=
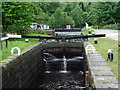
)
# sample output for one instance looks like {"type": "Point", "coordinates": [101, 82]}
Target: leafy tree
{"type": "Point", "coordinates": [49, 7]}
{"type": "Point", "coordinates": [102, 13]}
{"type": "Point", "coordinates": [16, 15]}
{"type": "Point", "coordinates": [69, 21]}
{"type": "Point", "coordinates": [51, 21]}
{"type": "Point", "coordinates": [117, 13]}
{"type": "Point", "coordinates": [77, 14]}
{"type": "Point", "coordinates": [59, 18]}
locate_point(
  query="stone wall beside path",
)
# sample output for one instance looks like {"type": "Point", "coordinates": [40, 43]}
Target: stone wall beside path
{"type": "Point", "coordinates": [100, 72]}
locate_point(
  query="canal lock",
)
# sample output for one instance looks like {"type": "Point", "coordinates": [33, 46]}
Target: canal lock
{"type": "Point", "coordinates": [64, 67]}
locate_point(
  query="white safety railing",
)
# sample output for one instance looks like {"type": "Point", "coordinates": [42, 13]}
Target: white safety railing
{"type": "Point", "coordinates": [90, 49]}
{"type": "Point", "coordinates": [18, 49]}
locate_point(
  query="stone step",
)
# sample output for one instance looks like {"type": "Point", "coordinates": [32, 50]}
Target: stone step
{"type": "Point", "coordinates": [103, 73]}
{"type": "Point", "coordinates": [107, 86]}
{"type": "Point", "coordinates": [98, 63]}
{"type": "Point", "coordinates": [104, 68]}
{"type": "Point", "coordinates": [106, 79]}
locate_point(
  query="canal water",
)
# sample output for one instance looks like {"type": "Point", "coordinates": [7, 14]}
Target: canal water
{"type": "Point", "coordinates": [62, 72]}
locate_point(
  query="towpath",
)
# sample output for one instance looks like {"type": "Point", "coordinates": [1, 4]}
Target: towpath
{"type": "Point", "coordinates": [113, 34]}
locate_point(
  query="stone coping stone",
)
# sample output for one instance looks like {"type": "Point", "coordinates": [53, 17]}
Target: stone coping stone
{"type": "Point", "coordinates": [105, 79]}
{"type": "Point", "coordinates": [106, 86]}
{"type": "Point", "coordinates": [104, 68]}
{"type": "Point", "coordinates": [5, 61]}
{"type": "Point", "coordinates": [98, 63]}
{"type": "Point", "coordinates": [102, 73]}
{"type": "Point", "coordinates": [11, 57]}
{"type": "Point", "coordinates": [92, 56]}
{"type": "Point", "coordinates": [96, 54]}
{"type": "Point", "coordinates": [93, 59]}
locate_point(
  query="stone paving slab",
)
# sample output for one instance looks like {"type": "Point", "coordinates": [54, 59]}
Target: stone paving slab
{"type": "Point", "coordinates": [103, 73]}
{"type": "Point", "coordinates": [104, 68]}
{"type": "Point", "coordinates": [105, 79]}
{"type": "Point", "coordinates": [94, 56]}
{"type": "Point", "coordinates": [98, 63]}
{"type": "Point", "coordinates": [110, 86]}
{"type": "Point", "coordinates": [96, 59]}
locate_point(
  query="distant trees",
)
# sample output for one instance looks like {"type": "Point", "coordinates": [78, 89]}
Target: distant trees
{"type": "Point", "coordinates": [103, 13]}
{"type": "Point", "coordinates": [117, 13]}
{"type": "Point", "coordinates": [19, 15]}
{"type": "Point", "coordinates": [77, 15]}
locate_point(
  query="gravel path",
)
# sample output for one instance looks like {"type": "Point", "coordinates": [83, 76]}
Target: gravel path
{"type": "Point", "coordinates": [113, 34]}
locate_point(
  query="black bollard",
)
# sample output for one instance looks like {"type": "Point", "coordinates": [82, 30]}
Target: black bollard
{"type": "Point", "coordinates": [89, 31]}
{"type": "Point", "coordinates": [110, 55]}
{"type": "Point", "coordinates": [96, 41]}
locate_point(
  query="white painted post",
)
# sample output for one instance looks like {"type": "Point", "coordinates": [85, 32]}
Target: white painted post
{"type": "Point", "coordinates": [89, 48]}
{"type": "Point", "coordinates": [86, 25]}
{"type": "Point", "coordinates": [12, 50]}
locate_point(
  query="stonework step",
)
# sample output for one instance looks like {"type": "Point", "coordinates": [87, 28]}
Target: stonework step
{"type": "Point", "coordinates": [105, 68]}
{"type": "Point", "coordinates": [105, 86]}
{"type": "Point", "coordinates": [106, 79]}
{"type": "Point", "coordinates": [103, 73]}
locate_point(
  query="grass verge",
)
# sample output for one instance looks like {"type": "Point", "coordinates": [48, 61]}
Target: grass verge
{"type": "Point", "coordinates": [5, 52]}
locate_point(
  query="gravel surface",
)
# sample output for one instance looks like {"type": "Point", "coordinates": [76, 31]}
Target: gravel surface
{"type": "Point", "coordinates": [113, 34]}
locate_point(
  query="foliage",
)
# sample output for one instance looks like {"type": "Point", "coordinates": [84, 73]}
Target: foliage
{"type": "Point", "coordinates": [19, 15]}
{"type": "Point", "coordinates": [77, 14]}
{"type": "Point", "coordinates": [102, 13]}
{"type": "Point", "coordinates": [16, 15]}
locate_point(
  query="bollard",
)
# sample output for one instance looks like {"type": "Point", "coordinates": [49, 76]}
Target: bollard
{"type": "Point", "coordinates": [96, 41]}
{"type": "Point", "coordinates": [26, 40]}
{"type": "Point", "coordinates": [93, 33]}
{"type": "Point", "coordinates": [110, 55]}
{"type": "Point", "coordinates": [89, 31]}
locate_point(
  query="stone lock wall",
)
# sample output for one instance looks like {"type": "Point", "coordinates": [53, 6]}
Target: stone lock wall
{"type": "Point", "coordinates": [22, 70]}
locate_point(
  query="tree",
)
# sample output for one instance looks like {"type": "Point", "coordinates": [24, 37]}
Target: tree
{"type": "Point", "coordinates": [102, 13]}
{"type": "Point", "coordinates": [69, 21]}
{"type": "Point", "coordinates": [77, 14]}
{"type": "Point", "coordinates": [16, 15]}
{"type": "Point", "coordinates": [117, 13]}
{"type": "Point", "coordinates": [51, 21]}
{"type": "Point", "coordinates": [59, 18]}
